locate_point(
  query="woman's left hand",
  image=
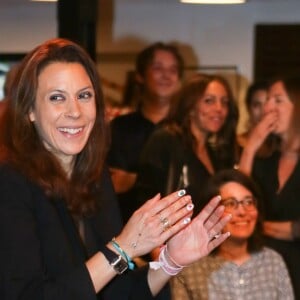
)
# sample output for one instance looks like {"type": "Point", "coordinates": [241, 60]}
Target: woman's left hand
{"type": "Point", "coordinates": [155, 222]}
{"type": "Point", "coordinates": [201, 236]}
{"type": "Point", "coordinates": [278, 230]}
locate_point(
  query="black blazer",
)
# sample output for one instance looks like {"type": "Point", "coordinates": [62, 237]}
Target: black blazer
{"type": "Point", "coordinates": [41, 254]}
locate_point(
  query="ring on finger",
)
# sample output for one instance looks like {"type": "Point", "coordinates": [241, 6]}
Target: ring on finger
{"type": "Point", "coordinates": [166, 223]}
{"type": "Point", "coordinates": [215, 236]}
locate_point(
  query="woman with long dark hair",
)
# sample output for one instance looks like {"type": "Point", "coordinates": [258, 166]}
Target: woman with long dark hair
{"type": "Point", "coordinates": [198, 139]}
{"type": "Point", "coordinates": [60, 230]}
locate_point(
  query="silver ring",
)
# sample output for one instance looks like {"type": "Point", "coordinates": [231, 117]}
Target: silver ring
{"type": "Point", "coordinates": [217, 235]}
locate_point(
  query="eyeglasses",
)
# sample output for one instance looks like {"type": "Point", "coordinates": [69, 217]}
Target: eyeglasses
{"type": "Point", "coordinates": [249, 203]}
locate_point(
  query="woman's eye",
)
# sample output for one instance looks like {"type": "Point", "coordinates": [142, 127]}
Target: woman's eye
{"type": "Point", "coordinates": [225, 101]}
{"type": "Point", "coordinates": [157, 68]}
{"type": "Point", "coordinates": [85, 95]}
{"type": "Point", "coordinates": [56, 98]}
{"type": "Point", "coordinates": [229, 203]}
{"type": "Point", "coordinates": [278, 100]}
{"type": "Point", "coordinates": [248, 202]}
{"type": "Point", "coordinates": [208, 100]}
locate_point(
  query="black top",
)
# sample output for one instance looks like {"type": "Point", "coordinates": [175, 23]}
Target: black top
{"type": "Point", "coordinates": [41, 253]}
{"type": "Point", "coordinates": [129, 134]}
{"type": "Point", "coordinates": [282, 206]}
{"type": "Point", "coordinates": [162, 168]}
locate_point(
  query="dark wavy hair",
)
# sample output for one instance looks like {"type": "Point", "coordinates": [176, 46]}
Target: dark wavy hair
{"type": "Point", "coordinates": [213, 186]}
{"type": "Point", "coordinates": [224, 142]}
{"type": "Point", "coordinates": [24, 149]}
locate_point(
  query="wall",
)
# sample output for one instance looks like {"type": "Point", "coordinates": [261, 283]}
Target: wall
{"type": "Point", "coordinates": [25, 24]}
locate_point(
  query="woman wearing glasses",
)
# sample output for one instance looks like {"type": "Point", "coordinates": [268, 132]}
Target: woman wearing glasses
{"type": "Point", "coordinates": [240, 268]}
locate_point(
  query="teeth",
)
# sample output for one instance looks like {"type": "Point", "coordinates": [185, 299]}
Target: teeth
{"type": "Point", "coordinates": [241, 223]}
{"type": "Point", "coordinates": [70, 130]}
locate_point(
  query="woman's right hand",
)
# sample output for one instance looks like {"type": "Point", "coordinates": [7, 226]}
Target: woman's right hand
{"type": "Point", "coordinates": [202, 235]}
{"type": "Point", "coordinates": [260, 132]}
{"type": "Point", "coordinates": [155, 222]}
{"type": "Point", "coordinates": [256, 138]}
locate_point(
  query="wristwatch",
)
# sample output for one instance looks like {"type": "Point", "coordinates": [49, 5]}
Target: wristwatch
{"type": "Point", "coordinates": [117, 261]}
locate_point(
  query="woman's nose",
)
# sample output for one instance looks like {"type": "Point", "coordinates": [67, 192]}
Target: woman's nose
{"type": "Point", "coordinates": [73, 109]}
{"type": "Point", "coordinates": [240, 209]}
{"type": "Point", "coordinates": [269, 106]}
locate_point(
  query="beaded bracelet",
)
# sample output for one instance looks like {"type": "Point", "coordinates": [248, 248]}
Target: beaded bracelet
{"type": "Point", "coordinates": [129, 261]}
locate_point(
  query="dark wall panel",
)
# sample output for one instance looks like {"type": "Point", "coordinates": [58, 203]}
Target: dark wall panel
{"type": "Point", "coordinates": [277, 50]}
{"type": "Point", "coordinates": [77, 21]}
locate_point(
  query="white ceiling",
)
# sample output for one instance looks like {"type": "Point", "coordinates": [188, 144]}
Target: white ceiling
{"type": "Point", "coordinates": [22, 2]}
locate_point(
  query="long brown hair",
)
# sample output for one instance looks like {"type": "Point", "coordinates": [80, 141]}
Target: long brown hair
{"type": "Point", "coordinates": [224, 141]}
{"type": "Point", "coordinates": [23, 146]}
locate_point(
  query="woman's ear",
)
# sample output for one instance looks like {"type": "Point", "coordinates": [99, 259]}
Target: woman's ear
{"type": "Point", "coordinates": [31, 116]}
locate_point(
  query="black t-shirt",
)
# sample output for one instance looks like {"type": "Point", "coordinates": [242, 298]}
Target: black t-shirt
{"type": "Point", "coordinates": [129, 133]}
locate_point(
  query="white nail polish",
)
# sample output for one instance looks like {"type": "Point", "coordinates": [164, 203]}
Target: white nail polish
{"type": "Point", "coordinates": [186, 220]}
{"type": "Point", "coordinates": [190, 206]}
{"type": "Point", "coordinates": [181, 193]}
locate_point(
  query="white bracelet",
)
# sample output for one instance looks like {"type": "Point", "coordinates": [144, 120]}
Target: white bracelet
{"type": "Point", "coordinates": [164, 263]}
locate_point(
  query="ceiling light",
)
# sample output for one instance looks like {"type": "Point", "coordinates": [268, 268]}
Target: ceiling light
{"type": "Point", "coordinates": [213, 1]}
{"type": "Point", "coordinates": [43, 0]}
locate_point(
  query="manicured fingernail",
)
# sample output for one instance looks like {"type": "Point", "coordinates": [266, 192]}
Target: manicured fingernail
{"type": "Point", "coordinates": [219, 197]}
{"type": "Point", "coordinates": [190, 206]}
{"type": "Point", "coordinates": [186, 220]}
{"type": "Point", "coordinates": [181, 193]}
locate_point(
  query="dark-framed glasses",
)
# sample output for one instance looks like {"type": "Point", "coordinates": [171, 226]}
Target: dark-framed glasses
{"type": "Point", "coordinates": [249, 203]}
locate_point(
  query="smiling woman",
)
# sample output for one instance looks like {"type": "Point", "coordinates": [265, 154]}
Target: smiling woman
{"type": "Point", "coordinates": [61, 233]}
{"type": "Point", "coordinates": [198, 139]}
{"type": "Point", "coordinates": [65, 110]}
{"type": "Point", "coordinates": [231, 271]}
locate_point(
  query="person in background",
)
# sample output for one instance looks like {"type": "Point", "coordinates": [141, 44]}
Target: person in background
{"type": "Point", "coordinates": [277, 170]}
{"type": "Point", "coordinates": [60, 229]}
{"type": "Point", "coordinates": [241, 267]}
{"type": "Point", "coordinates": [159, 69]}
{"type": "Point", "coordinates": [6, 88]}
{"type": "Point", "coordinates": [256, 97]}
{"type": "Point", "coordinates": [198, 138]}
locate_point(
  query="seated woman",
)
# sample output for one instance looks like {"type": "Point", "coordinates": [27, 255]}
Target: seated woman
{"type": "Point", "coordinates": [240, 268]}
